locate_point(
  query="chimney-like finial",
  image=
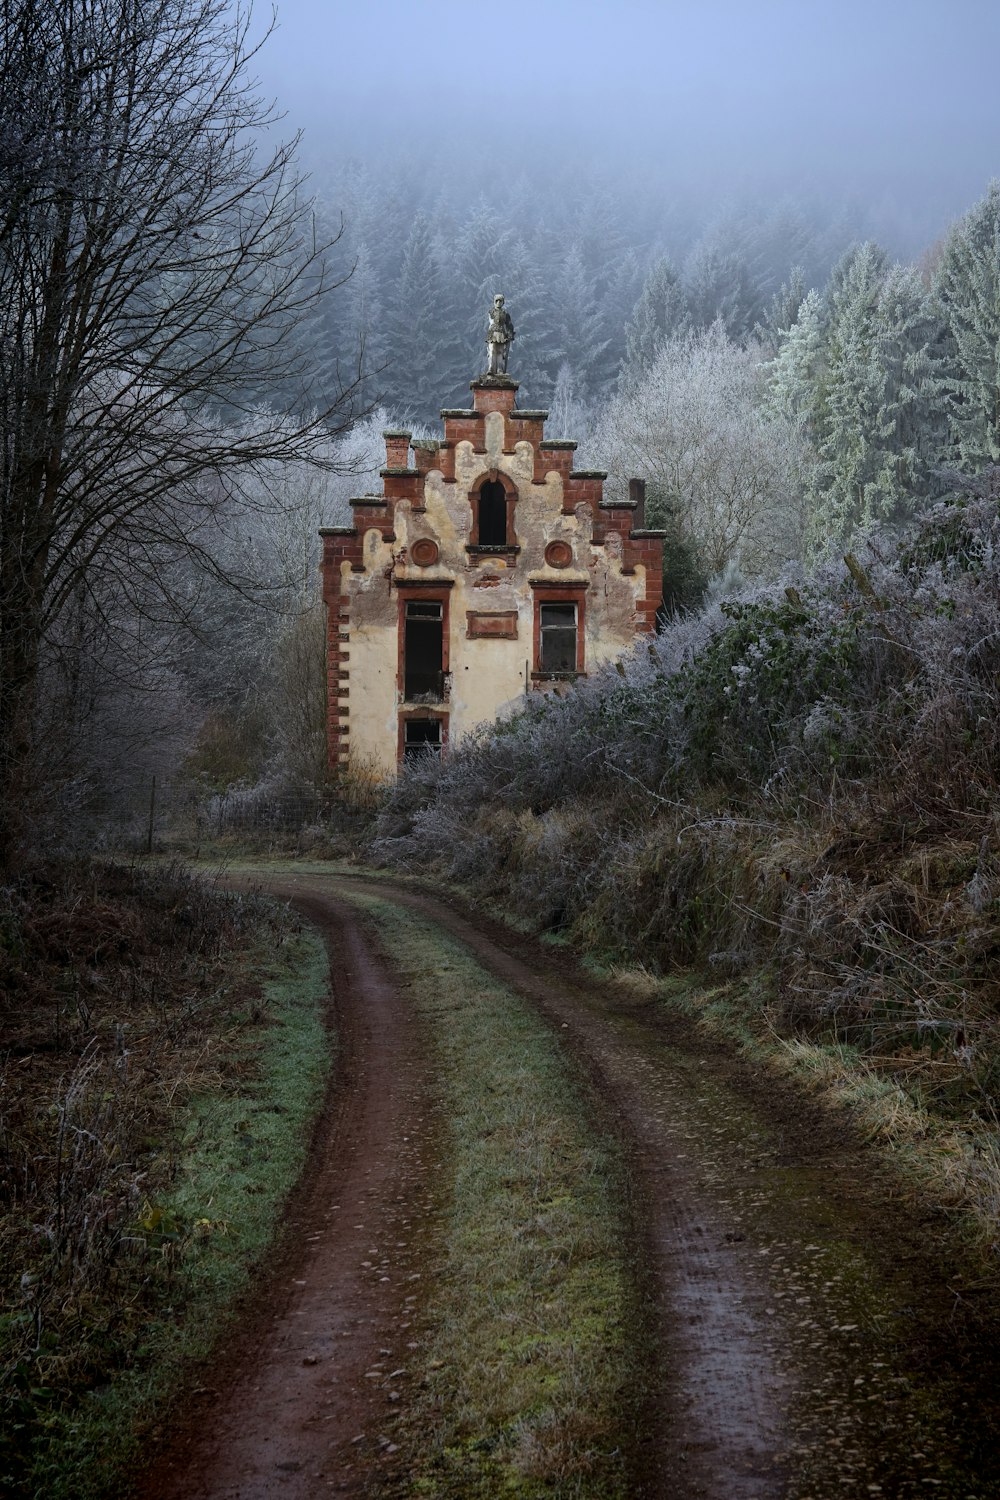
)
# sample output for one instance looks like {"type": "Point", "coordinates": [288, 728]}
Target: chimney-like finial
{"type": "Point", "coordinates": [637, 499]}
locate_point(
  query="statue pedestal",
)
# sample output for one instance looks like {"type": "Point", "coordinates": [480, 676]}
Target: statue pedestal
{"type": "Point", "coordinates": [494, 393]}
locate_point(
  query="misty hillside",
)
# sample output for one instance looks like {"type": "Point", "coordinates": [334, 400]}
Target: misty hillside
{"type": "Point", "coordinates": [424, 261]}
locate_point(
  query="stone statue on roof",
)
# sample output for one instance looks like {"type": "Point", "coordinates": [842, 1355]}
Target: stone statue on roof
{"type": "Point", "coordinates": [499, 337]}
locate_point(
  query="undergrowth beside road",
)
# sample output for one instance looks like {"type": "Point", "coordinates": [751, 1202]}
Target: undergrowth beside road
{"type": "Point", "coordinates": [529, 1366]}
{"type": "Point", "coordinates": [951, 1162]}
{"type": "Point", "coordinates": [156, 1105]}
{"type": "Point", "coordinates": [802, 782]}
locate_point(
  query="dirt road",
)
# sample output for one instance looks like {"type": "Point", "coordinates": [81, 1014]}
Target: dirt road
{"type": "Point", "coordinates": [810, 1335]}
{"type": "Point", "coordinates": [288, 1395]}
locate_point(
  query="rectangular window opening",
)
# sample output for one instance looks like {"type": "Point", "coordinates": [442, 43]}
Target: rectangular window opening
{"type": "Point", "coordinates": [423, 652]}
{"type": "Point", "coordinates": [421, 737]}
{"type": "Point", "coordinates": [557, 633]}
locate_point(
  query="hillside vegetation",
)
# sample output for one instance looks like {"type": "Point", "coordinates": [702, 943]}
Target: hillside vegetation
{"type": "Point", "coordinates": [162, 1057]}
{"type": "Point", "coordinates": [800, 782]}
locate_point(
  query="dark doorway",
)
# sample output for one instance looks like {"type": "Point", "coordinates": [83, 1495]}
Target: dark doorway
{"type": "Point", "coordinates": [492, 515]}
{"type": "Point", "coordinates": [421, 736]}
{"type": "Point", "coordinates": [423, 645]}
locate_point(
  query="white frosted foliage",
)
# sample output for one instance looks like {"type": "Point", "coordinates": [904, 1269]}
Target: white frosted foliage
{"type": "Point", "coordinates": [968, 290]}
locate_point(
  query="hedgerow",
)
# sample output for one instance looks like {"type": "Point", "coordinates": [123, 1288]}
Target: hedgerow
{"type": "Point", "coordinates": [805, 775]}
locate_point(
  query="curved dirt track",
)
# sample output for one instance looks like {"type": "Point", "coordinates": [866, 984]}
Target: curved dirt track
{"type": "Point", "coordinates": [303, 1399]}
{"type": "Point", "coordinates": [808, 1341]}
{"type": "Point", "coordinates": [811, 1340]}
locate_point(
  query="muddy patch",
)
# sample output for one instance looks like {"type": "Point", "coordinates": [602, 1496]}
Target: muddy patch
{"type": "Point", "coordinates": [304, 1398]}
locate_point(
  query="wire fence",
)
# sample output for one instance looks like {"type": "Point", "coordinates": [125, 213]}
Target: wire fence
{"type": "Point", "coordinates": [152, 812]}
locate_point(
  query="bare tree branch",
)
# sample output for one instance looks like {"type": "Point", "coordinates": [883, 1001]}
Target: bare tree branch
{"type": "Point", "coordinates": [156, 262]}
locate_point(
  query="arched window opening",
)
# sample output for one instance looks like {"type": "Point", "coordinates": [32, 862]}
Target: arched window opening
{"type": "Point", "coordinates": [492, 515]}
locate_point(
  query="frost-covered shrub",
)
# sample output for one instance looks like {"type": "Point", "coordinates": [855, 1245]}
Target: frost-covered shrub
{"type": "Point", "coordinates": [777, 695]}
{"type": "Point", "coordinates": [805, 775]}
{"type": "Point", "coordinates": [643, 807]}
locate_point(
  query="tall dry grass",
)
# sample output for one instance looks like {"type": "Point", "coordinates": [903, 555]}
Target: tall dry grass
{"type": "Point", "coordinates": [118, 1002]}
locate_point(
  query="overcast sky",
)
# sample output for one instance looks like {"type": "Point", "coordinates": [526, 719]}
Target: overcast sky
{"type": "Point", "coordinates": [895, 99]}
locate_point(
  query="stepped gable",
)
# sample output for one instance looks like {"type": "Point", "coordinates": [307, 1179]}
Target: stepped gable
{"type": "Point", "coordinates": [488, 566]}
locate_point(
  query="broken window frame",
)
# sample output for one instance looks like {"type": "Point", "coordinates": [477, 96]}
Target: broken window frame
{"type": "Point", "coordinates": [411, 750]}
{"type": "Point", "coordinates": [562, 595]}
{"type": "Point", "coordinates": [435, 593]}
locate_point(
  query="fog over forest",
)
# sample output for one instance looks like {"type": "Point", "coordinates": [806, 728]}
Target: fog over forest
{"type": "Point", "coordinates": [558, 158]}
{"type": "Point", "coordinates": [891, 104]}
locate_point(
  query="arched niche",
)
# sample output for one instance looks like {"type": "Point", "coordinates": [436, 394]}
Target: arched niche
{"type": "Point", "coordinates": [493, 500]}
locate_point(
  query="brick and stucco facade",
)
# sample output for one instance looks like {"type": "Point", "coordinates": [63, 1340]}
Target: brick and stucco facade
{"type": "Point", "coordinates": [487, 568]}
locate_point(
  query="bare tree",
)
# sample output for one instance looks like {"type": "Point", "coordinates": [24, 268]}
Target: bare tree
{"type": "Point", "coordinates": [155, 263]}
{"type": "Point", "coordinates": [695, 425]}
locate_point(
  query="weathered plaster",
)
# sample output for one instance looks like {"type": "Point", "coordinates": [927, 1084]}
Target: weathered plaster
{"type": "Point", "coordinates": [365, 569]}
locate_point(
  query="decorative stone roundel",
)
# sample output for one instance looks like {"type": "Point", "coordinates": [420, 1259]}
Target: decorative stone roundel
{"type": "Point", "coordinates": [424, 552]}
{"type": "Point", "coordinates": [559, 554]}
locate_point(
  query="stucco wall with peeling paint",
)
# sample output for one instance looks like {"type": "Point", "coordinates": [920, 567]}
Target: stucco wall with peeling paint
{"type": "Point", "coordinates": [489, 594]}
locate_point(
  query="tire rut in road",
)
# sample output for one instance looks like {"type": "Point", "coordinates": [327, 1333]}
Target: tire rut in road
{"type": "Point", "coordinates": [306, 1392]}
{"type": "Point", "coordinates": [720, 1419]}
{"type": "Point", "coordinates": [811, 1344]}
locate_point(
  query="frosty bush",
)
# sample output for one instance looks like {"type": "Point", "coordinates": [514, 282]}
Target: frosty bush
{"type": "Point", "coordinates": [805, 774]}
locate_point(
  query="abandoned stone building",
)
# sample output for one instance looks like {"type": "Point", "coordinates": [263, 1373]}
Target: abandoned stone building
{"type": "Point", "coordinates": [486, 569]}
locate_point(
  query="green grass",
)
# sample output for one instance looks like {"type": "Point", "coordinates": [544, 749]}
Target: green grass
{"type": "Point", "coordinates": [531, 1387]}
{"type": "Point", "coordinates": [953, 1164]}
{"type": "Point", "coordinates": [240, 1152]}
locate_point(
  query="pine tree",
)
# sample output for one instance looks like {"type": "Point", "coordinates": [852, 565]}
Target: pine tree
{"type": "Point", "coordinates": [615, 276]}
{"type": "Point", "coordinates": [624, 289]}
{"type": "Point", "coordinates": [581, 339]}
{"type": "Point", "coordinates": [721, 283]}
{"type": "Point", "coordinates": [567, 411]}
{"type": "Point", "coordinates": [910, 420]}
{"type": "Point", "coordinates": [784, 242]}
{"type": "Point", "coordinates": [660, 314]}
{"type": "Point", "coordinates": [849, 402]}
{"type": "Point", "coordinates": [795, 373]}
{"type": "Point", "coordinates": [415, 339]}
{"type": "Point", "coordinates": [520, 278]}
{"type": "Point", "coordinates": [968, 292]}
{"type": "Point", "coordinates": [874, 422]}
{"type": "Point", "coordinates": [783, 309]}
{"type": "Point", "coordinates": [365, 325]}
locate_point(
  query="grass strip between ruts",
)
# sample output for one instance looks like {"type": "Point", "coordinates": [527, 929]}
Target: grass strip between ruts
{"type": "Point", "coordinates": [241, 1151]}
{"type": "Point", "coordinates": [530, 1384]}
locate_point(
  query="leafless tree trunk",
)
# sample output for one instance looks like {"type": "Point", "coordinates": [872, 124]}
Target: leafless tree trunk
{"type": "Point", "coordinates": [154, 267]}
